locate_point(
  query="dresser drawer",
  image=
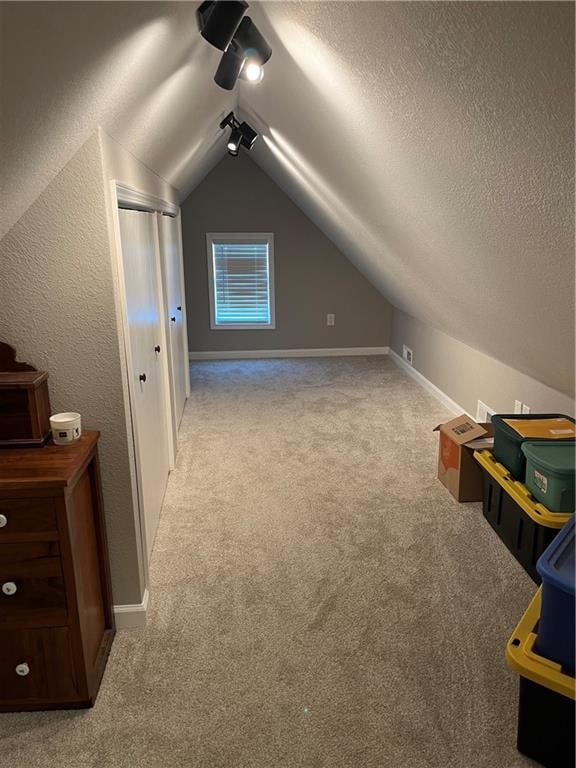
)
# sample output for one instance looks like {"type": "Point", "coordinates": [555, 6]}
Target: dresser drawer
{"type": "Point", "coordinates": [27, 550]}
{"type": "Point", "coordinates": [31, 519]}
{"type": "Point", "coordinates": [32, 589]}
{"type": "Point", "coordinates": [36, 664]}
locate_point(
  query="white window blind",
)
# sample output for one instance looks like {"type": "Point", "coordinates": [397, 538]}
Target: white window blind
{"type": "Point", "coordinates": [241, 281]}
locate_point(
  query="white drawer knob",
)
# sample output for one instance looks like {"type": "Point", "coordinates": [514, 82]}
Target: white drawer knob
{"type": "Point", "coordinates": [23, 669]}
{"type": "Point", "coordinates": [3, 521]}
{"type": "Point", "coordinates": [9, 588]}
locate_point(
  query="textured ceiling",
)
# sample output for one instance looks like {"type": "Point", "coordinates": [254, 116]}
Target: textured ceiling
{"type": "Point", "coordinates": [138, 69]}
{"type": "Point", "coordinates": [433, 142]}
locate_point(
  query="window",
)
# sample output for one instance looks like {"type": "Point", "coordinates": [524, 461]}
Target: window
{"type": "Point", "coordinates": [241, 280]}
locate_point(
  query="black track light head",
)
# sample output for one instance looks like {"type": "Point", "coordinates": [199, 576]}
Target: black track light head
{"type": "Point", "coordinates": [234, 141]}
{"type": "Point", "coordinates": [251, 42]}
{"type": "Point", "coordinates": [218, 20]}
{"type": "Point", "coordinates": [241, 134]}
{"type": "Point", "coordinates": [228, 70]}
{"type": "Point", "coordinates": [245, 50]}
{"type": "Point", "coordinates": [249, 136]}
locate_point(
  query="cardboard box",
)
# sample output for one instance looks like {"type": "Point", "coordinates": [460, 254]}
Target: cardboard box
{"type": "Point", "coordinates": [457, 469]}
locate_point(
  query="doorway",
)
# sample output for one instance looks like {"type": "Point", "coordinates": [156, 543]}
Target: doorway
{"type": "Point", "coordinates": [147, 366]}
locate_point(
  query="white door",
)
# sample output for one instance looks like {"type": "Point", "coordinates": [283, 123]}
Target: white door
{"type": "Point", "coordinates": [146, 357]}
{"type": "Point", "coordinates": [175, 313]}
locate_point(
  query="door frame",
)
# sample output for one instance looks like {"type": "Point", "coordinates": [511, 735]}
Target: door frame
{"type": "Point", "coordinates": [183, 317]}
{"type": "Point", "coordinates": [122, 195]}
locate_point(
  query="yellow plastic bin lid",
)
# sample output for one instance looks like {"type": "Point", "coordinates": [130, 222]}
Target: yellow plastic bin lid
{"type": "Point", "coordinates": [521, 495]}
{"type": "Point", "coordinates": [522, 658]}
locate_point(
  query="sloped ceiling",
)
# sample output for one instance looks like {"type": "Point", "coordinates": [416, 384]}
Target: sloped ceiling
{"type": "Point", "coordinates": [138, 69]}
{"type": "Point", "coordinates": [432, 142]}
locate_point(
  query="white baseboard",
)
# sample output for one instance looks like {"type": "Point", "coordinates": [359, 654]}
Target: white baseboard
{"type": "Point", "coordinates": [254, 354]}
{"type": "Point", "coordinates": [132, 616]}
{"type": "Point", "coordinates": [452, 405]}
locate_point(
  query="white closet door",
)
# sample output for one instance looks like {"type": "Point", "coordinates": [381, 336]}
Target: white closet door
{"type": "Point", "coordinates": [175, 313]}
{"type": "Point", "coordinates": [146, 362]}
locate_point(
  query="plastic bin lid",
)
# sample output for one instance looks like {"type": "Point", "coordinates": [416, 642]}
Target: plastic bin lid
{"type": "Point", "coordinates": [499, 421]}
{"type": "Point", "coordinates": [556, 564]}
{"type": "Point", "coordinates": [556, 456]}
{"type": "Point", "coordinates": [523, 659]}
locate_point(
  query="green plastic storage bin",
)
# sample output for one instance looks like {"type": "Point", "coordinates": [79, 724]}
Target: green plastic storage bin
{"type": "Point", "coordinates": [508, 443]}
{"type": "Point", "coordinates": [551, 472]}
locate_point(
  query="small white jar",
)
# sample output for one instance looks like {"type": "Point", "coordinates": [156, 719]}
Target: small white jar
{"type": "Point", "coordinates": [66, 428]}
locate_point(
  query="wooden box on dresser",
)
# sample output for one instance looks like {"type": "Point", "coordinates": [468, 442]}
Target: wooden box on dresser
{"type": "Point", "coordinates": [56, 619]}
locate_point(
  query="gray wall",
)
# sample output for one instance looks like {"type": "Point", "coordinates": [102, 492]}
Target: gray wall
{"type": "Point", "coordinates": [467, 375]}
{"type": "Point", "coordinates": [57, 309]}
{"type": "Point", "coordinates": [312, 276]}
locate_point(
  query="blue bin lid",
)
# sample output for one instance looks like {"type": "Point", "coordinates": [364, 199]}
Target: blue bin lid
{"type": "Point", "coordinates": [556, 564]}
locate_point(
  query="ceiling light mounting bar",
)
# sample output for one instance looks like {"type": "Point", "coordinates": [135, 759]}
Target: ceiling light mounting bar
{"type": "Point", "coordinates": [230, 120]}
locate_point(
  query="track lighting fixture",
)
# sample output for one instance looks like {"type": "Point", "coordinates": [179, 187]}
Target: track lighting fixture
{"type": "Point", "coordinates": [245, 49]}
{"type": "Point", "coordinates": [228, 70]}
{"type": "Point", "coordinates": [249, 136]}
{"type": "Point", "coordinates": [234, 142]}
{"type": "Point", "coordinates": [250, 41]}
{"type": "Point", "coordinates": [219, 20]}
{"type": "Point", "coordinates": [241, 134]}
{"type": "Point", "coordinates": [252, 71]}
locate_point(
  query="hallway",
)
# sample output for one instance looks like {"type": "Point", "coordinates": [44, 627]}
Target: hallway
{"type": "Point", "coordinates": [318, 598]}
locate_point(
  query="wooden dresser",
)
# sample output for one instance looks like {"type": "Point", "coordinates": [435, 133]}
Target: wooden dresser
{"type": "Point", "coordinates": [56, 620]}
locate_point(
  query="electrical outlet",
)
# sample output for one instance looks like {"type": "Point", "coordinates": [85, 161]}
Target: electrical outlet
{"type": "Point", "coordinates": [517, 406]}
{"type": "Point", "coordinates": [407, 354]}
{"type": "Point", "coordinates": [483, 412]}
{"type": "Point", "coordinates": [330, 319]}
{"type": "Point", "coordinates": [525, 408]}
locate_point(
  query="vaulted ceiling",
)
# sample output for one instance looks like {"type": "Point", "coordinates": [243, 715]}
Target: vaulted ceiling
{"type": "Point", "coordinates": [138, 69]}
{"type": "Point", "coordinates": [433, 142]}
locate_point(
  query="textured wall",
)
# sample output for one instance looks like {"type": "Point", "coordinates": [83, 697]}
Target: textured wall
{"type": "Point", "coordinates": [312, 276]}
{"type": "Point", "coordinates": [57, 309]}
{"type": "Point", "coordinates": [434, 143]}
{"type": "Point", "coordinates": [123, 167]}
{"type": "Point", "coordinates": [467, 375]}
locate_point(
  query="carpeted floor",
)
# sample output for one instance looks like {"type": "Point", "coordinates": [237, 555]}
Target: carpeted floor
{"type": "Point", "coordinates": [318, 599]}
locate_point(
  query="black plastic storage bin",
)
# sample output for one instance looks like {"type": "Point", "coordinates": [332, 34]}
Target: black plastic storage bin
{"type": "Point", "coordinates": [508, 443]}
{"type": "Point", "coordinates": [525, 526]}
{"type": "Point", "coordinates": [546, 696]}
{"type": "Point", "coordinates": [540, 712]}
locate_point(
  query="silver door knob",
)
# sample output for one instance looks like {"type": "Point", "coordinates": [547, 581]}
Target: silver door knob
{"type": "Point", "coordinates": [3, 521]}
{"type": "Point", "coordinates": [9, 588]}
{"type": "Point", "coordinates": [23, 669]}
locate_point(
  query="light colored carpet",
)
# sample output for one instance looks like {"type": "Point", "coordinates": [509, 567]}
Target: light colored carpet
{"type": "Point", "coordinates": [319, 600]}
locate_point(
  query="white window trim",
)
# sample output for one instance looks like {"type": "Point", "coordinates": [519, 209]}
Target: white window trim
{"type": "Point", "coordinates": [242, 237]}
